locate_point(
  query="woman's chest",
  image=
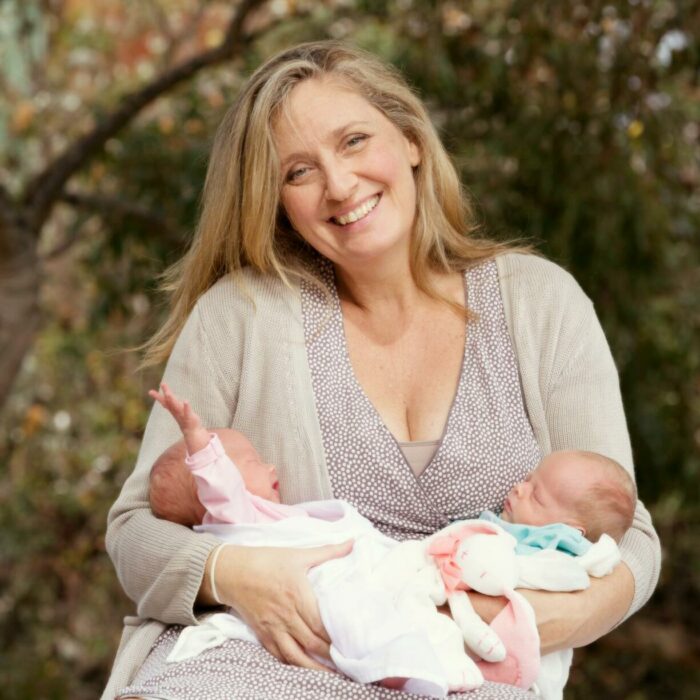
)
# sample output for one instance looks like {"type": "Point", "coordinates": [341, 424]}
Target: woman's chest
{"type": "Point", "coordinates": [410, 375]}
{"type": "Point", "coordinates": [468, 388]}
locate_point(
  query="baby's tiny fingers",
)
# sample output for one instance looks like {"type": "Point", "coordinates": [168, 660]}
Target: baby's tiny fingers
{"type": "Point", "coordinates": [157, 397]}
{"type": "Point", "coordinates": [169, 396]}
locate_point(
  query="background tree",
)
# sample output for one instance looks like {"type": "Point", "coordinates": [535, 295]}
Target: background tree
{"type": "Point", "coordinates": [573, 124]}
{"type": "Point", "coordinates": [24, 214]}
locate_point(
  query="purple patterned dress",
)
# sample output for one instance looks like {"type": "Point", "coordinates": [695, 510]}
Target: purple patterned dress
{"type": "Point", "coordinates": [487, 446]}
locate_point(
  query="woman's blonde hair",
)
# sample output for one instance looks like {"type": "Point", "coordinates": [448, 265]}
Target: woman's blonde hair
{"type": "Point", "coordinates": [241, 222]}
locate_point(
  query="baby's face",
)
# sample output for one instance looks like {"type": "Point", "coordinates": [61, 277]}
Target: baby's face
{"type": "Point", "coordinates": [259, 477]}
{"type": "Point", "coordinates": [549, 493]}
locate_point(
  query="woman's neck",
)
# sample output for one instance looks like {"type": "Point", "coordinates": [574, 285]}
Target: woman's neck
{"type": "Point", "coordinates": [391, 290]}
{"type": "Point", "coordinates": [371, 289]}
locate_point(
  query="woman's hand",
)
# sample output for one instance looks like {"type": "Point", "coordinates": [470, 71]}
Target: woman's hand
{"type": "Point", "coordinates": [268, 587]}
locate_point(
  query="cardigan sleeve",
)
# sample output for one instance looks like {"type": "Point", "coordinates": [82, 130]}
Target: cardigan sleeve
{"type": "Point", "coordinates": [571, 386]}
{"type": "Point", "coordinates": [160, 564]}
{"type": "Point", "coordinates": [584, 410]}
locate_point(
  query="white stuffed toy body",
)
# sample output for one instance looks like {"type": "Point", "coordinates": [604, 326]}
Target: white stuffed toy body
{"type": "Point", "coordinates": [379, 603]}
{"type": "Point", "coordinates": [480, 556]}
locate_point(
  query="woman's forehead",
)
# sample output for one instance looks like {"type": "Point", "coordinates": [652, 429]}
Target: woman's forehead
{"type": "Point", "coordinates": [318, 111]}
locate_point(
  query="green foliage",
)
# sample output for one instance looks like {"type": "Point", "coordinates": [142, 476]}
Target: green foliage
{"type": "Point", "coordinates": [573, 124]}
{"type": "Point", "coordinates": [61, 610]}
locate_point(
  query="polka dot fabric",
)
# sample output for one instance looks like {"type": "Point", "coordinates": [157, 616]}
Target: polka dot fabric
{"type": "Point", "coordinates": [240, 670]}
{"type": "Point", "coordinates": [488, 446]}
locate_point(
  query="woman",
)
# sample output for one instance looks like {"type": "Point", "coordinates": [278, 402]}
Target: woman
{"type": "Point", "coordinates": [321, 310]}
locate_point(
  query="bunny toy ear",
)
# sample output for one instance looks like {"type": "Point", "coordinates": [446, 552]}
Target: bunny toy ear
{"type": "Point", "coordinates": [516, 627]}
{"type": "Point", "coordinates": [444, 548]}
{"type": "Point", "coordinates": [448, 539]}
{"type": "Point", "coordinates": [444, 540]}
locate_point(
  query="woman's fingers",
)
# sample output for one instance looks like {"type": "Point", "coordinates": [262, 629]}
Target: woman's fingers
{"type": "Point", "coordinates": [309, 632]}
{"type": "Point", "coordinates": [292, 653]}
{"type": "Point", "coordinates": [307, 607]}
{"type": "Point", "coordinates": [293, 644]}
{"type": "Point", "coordinates": [317, 555]}
{"type": "Point", "coordinates": [270, 589]}
{"type": "Point", "coordinates": [317, 639]}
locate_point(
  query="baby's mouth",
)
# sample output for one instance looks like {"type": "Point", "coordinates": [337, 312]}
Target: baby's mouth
{"type": "Point", "coordinates": [357, 213]}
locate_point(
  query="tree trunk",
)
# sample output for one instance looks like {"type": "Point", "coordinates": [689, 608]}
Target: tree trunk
{"type": "Point", "coordinates": [20, 275]}
{"type": "Point", "coordinates": [22, 217]}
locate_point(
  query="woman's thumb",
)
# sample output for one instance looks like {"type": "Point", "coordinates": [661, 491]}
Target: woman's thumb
{"type": "Point", "coordinates": [317, 555]}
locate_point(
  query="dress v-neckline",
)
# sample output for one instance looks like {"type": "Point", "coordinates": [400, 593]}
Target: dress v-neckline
{"type": "Point", "coordinates": [338, 319]}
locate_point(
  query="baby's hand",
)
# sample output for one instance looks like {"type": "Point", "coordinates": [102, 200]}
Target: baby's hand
{"type": "Point", "coordinates": [196, 435]}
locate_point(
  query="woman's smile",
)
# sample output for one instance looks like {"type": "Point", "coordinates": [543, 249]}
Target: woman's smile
{"type": "Point", "coordinates": [346, 169]}
{"type": "Point", "coordinates": [356, 213]}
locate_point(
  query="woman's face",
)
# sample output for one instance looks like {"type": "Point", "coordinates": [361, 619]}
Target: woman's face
{"type": "Point", "coordinates": [347, 180]}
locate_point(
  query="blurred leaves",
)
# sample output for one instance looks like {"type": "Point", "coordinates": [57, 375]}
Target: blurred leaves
{"type": "Point", "coordinates": [573, 125]}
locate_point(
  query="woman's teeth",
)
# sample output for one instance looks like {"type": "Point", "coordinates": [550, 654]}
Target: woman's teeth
{"type": "Point", "coordinates": [357, 214]}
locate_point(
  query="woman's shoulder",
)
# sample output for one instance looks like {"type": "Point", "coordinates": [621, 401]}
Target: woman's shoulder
{"type": "Point", "coordinates": [532, 269]}
{"type": "Point", "coordinates": [248, 293]}
{"type": "Point", "coordinates": [541, 299]}
{"type": "Point", "coordinates": [532, 278]}
{"type": "Point", "coordinates": [244, 307]}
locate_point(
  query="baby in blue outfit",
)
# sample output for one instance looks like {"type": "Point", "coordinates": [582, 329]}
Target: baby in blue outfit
{"type": "Point", "coordinates": [568, 501]}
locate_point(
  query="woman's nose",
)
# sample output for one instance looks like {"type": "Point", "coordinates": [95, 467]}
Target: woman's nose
{"type": "Point", "coordinates": [341, 182]}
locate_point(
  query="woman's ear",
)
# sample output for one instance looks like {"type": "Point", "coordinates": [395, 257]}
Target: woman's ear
{"type": "Point", "coordinates": [414, 155]}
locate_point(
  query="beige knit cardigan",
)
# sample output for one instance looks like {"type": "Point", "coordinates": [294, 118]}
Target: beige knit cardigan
{"type": "Point", "coordinates": [241, 361]}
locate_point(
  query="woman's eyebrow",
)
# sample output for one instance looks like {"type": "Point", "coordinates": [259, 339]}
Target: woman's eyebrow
{"type": "Point", "coordinates": [346, 127]}
{"type": "Point", "coordinates": [335, 134]}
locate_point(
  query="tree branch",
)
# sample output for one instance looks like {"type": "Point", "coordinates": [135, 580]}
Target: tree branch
{"type": "Point", "coordinates": [45, 188]}
{"type": "Point", "coordinates": [6, 207]}
{"type": "Point", "coordinates": [14, 237]}
{"type": "Point", "coordinates": [6, 204]}
{"type": "Point", "coordinates": [101, 205]}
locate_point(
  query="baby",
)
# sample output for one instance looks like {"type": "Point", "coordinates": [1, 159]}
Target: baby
{"type": "Point", "coordinates": [582, 492]}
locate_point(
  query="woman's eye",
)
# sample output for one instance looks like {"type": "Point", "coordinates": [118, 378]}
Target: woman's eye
{"type": "Point", "coordinates": [293, 175]}
{"type": "Point", "coordinates": [356, 140]}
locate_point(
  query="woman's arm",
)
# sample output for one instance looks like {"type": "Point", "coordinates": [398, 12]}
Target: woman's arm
{"type": "Point", "coordinates": [160, 564]}
{"type": "Point", "coordinates": [573, 398]}
{"type": "Point", "coordinates": [165, 568]}
{"type": "Point", "coordinates": [584, 410]}
{"type": "Point", "coordinates": [569, 620]}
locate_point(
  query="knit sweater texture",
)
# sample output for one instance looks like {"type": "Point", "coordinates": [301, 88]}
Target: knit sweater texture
{"type": "Point", "coordinates": [241, 362]}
